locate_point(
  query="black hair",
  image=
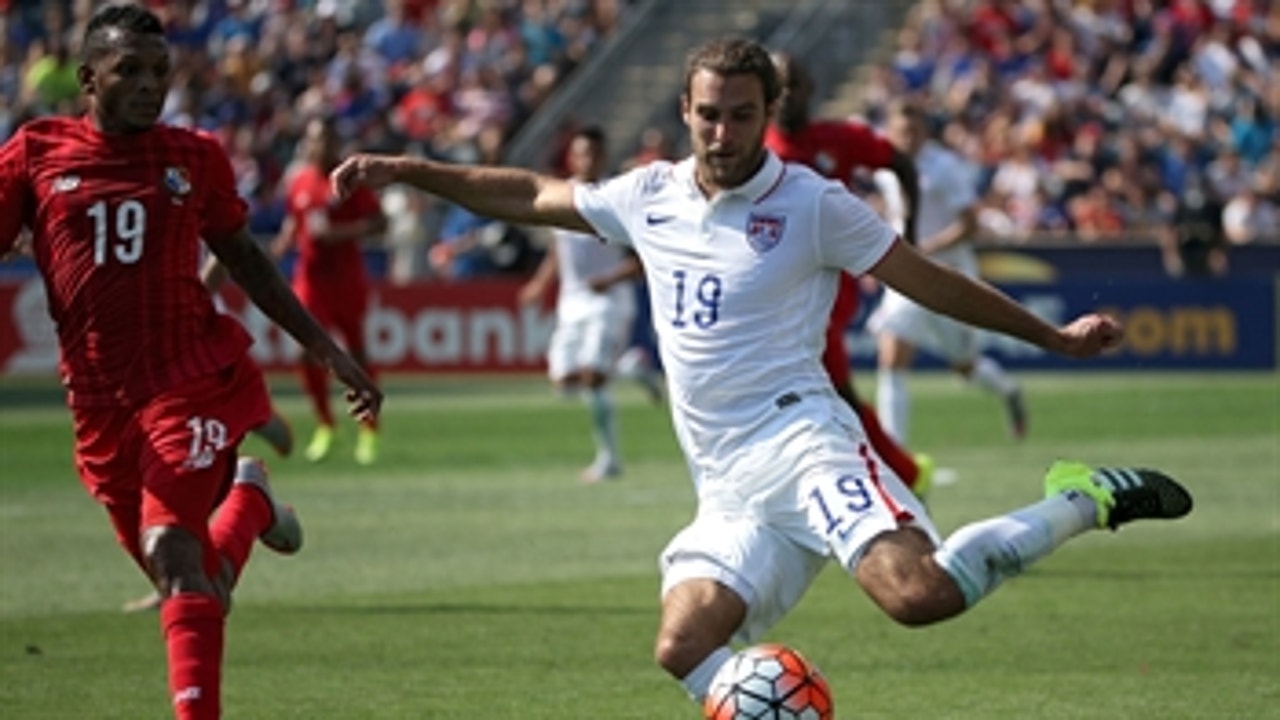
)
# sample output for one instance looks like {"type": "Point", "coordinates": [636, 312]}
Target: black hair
{"type": "Point", "coordinates": [126, 17]}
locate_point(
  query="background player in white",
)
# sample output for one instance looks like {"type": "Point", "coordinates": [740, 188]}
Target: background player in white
{"type": "Point", "coordinates": [945, 224]}
{"type": "Point", "coordinates": [742, 254]}
{"type": "Point", "coordinates": [595, 309]}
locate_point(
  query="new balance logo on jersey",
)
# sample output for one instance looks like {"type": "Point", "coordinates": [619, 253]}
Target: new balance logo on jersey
{"type": "Point", "coordinates": [658, 219]}
{"type": "Point", "coordinates": [66, 183]}
{"type": "Point", "coordinates": [764, 232]}
{"type": "Point", "coordinates": [175, 179]}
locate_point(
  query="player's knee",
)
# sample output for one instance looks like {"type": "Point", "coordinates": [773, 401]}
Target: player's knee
{"type": "Point", "coordinates": [174, 558]}
{"type": "Point", "coordinates": [899, 574]}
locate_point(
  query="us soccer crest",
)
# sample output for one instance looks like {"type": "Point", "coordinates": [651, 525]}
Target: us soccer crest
{"type": "Point", "coordinates": [175, 179]}
{"type": "Point", "coordinates": [764, 232]}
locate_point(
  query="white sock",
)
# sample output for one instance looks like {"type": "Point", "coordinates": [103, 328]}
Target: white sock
{"type": "Point", "coordinates": [698, 681]}
{"type": "Point", "coordinates": [981, 555]}
{"type": "Point", "coordinates": [600, 403]}
{"type": "Point", "coordinates": [991, 376]}
{"type": "Point", "coordinates": [892, 403]}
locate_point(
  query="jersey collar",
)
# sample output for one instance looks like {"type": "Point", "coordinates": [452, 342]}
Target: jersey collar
{"type": "Point", "coordinates": [757, 188]}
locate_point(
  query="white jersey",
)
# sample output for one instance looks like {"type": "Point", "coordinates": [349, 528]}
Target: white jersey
{"type": "Point", "coordinates": [581, 257]}
{"type": "Point", "coordinates": [740, 287]}
{"type": "Point", "coordinates": [947, 188]}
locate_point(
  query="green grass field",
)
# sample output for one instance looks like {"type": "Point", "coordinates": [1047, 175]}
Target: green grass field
{"type": "Point", "coordinates": [469, 575]}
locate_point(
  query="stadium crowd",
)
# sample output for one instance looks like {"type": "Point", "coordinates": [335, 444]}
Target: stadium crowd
{"type": "Point", "coordinates": [449, 78]}
{"type": "Point", "coordinates": [1102, 118]}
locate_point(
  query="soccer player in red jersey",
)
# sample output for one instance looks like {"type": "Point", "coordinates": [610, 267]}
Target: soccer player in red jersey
{"type": "Point", "coordinates": [160, 385]}
{"type": "Point", "coordinates": [836, 149]}
{"type": "Point", "coordinates": [329, 276]}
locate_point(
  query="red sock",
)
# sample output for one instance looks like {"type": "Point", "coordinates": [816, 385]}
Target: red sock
{"type": "Point", "coordinates": [193, 627]}
{"type": "Point", "coordinates": [243, 515]}
{"type": "Point", "coordinates": [315, 381]}
{"type": "Point", "coordinates": [893, 454]}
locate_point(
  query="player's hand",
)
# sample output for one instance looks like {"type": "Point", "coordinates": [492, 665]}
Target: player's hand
{"type": "Point", "coordinates": [1090, 335]}
{"type": "Point", "coordinates": [371, 171]}
{"type": "Point", "coordinates": [362, 394]}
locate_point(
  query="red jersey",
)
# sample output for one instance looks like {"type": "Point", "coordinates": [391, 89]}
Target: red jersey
{"type": "Point", "coordinates": [116, 222]}
{"type": "Point", "coordinates": [312, 206]}
{"type": "Point", "coordinates": [831, 148]}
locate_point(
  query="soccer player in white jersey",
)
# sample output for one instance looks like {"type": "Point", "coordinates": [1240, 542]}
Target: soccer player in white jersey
{"type": "Point", "coordinates": [945, 224]}
{"type": "Point", "coordinates": [595, 308]}
{"type": "Point", "coordinates": [742, 254]}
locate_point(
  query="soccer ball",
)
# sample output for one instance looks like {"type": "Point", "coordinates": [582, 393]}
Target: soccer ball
{"type": "Point", "coordinates": [768, 682]}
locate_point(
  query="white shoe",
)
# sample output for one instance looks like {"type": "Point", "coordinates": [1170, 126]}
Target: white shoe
{"type": "Point", "coordinates": [285, 533]}
{"type": "Point", "coordinates": [601, 471]}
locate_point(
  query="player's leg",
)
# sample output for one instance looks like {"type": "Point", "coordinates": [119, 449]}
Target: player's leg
{"type": "Point", "coordinates": [960, 344]}
{"type": "Point", "coordinates": [187, 462]}
{"type": "Point", "coordinates": [894, 356]}
{"type": "Point", "coordinates": [917, 584]}
{"type": "Point", "coordinates": [315, 381]}
{"type": "Point", "coordinates": [725, 580]}
{"type": "Point", "coordinates": [349, 321]}
{"type": "Point", "coordinates": [599, 341]}
{"type": "Point", "coordinates": [315, 384]}
{"type": "Point", "coordinates": [699, 618]}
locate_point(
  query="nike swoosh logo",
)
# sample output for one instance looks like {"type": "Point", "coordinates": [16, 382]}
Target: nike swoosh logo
{"type": "Point", "coordinates": [659, 219]}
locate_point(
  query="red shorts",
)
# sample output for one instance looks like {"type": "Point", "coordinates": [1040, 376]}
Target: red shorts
{"type": "Point", "coordinates": [340, 307]}
{"type": "Point", "coordinates": [170, 461]}
{"type": "Point", "coordinates": [834, 357]}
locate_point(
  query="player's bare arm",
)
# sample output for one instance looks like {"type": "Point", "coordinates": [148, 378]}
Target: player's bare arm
{"type": "Point", "coordinates": [546, 274]}
{"type": "Point", "coordinates": [261, 280]}
{"type": "Point", "coordinates": [946, 291]}
{"type": "Point", "coordinates": [510, 194]}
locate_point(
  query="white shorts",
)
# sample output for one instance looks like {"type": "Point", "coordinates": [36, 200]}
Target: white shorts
{"type": "Point", "coordinates": [902, 317]}
{"type": "Point", "coordinates": [589, 341]}
{"type": "Point", "coordinates": [811, 489]}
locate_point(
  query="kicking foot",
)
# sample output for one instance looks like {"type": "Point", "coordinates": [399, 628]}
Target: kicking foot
{"type": "Point", "coordinates": [1017, 411]}
{"type": "Point", "coordinates": [367, 446]}
{"type": "Point", "coordinates": [320, 445]}
{"type": "Point", "coordinates": [277, 433]}
{"type": "Point", "coordinates": [285, 532]}
{"type": "Point", "coordinates": [1122, 494]}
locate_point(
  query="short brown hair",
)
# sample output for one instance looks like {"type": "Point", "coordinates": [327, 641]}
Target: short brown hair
{"type": "Point", "coordinates": [735, 56]}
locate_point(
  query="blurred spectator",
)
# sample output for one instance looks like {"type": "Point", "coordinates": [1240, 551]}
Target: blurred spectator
{"type": "Point", "coordinates": [444, 75]}
{"type": "Point", "coordinates": [1112, 117]}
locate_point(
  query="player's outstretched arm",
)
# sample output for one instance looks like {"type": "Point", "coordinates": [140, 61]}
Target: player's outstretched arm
{"type": "Point", "coordinates": [261, 280]}
{"type": "Point", "coordinates": [946, 291]}
{"type": "Point", "coordinates": [510, 194]}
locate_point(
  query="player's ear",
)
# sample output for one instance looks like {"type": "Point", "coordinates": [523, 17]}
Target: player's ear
{"type": "Point", "coordinates": [684, 109]}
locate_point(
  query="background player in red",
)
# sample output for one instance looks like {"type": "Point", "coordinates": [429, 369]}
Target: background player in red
{"type": "Point", "coordinates": [836, 149]}
{"type": "Point", "coordinates": [160, 385]}
{"type": "Point", "coordinates": [329, 276]}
